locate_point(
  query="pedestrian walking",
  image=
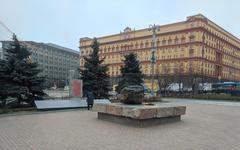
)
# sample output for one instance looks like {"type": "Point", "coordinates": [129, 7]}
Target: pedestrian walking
{"type": "Point", "coordinates": [90, 99]}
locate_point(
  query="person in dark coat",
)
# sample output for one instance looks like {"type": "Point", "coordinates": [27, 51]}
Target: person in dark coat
{"type": "Point", "coordinates": [90, 100]}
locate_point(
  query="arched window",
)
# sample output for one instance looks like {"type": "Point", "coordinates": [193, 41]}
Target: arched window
{"type": "Point", "coordinates": [169, 41]}
{"type": "Point", "coordinates": [146, 44]}
{"type": "Point", "coordinates": [176, 40]}
{"type": "Point", "coordinates": [163, 42]}
{"type": "Point", "coordinates": [122, 47]}
{"type": "Point", "coordinates": [125, 47]}
{"type": "Point", "coordinates": [131, 46]}
{"type": "Point", "coordinates": [183, 39]}
{"type": "Point", "coordinates": [158, 43]}
{"type": "Point", "coordinates": [136, 45]}
{"type": "Point", "coordinates": [141, 45]}
{"type": "Point", "coordinates": [192, 38]}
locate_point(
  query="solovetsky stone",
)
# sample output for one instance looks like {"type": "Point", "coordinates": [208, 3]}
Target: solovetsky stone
{"type": "Point", "coordinates": [132, 94]}
{"type": "Point", "coordinates": [165, 112]}
{"type": "Point", "coordinates": [147, 113]}
{"type": "Point", "coordinates": [139, 115]}
{"type": "Point", "coordinates": [180, 110]}
{"type": "Point", "coordinates": [100, 108]}
{"type": "Point", "coordinates": [114, 110]}
{"type": "Point", "coordinates": [140, 111]}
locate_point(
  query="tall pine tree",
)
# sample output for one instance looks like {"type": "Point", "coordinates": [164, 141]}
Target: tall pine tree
{"type": "Point", "coordinates": [19, 76]}
{"type": "Point", "coordinates": [130, 72]}
{"type": "Point", "coordinates": [94, 74]}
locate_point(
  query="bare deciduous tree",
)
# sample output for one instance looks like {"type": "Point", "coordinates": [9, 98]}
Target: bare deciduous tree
{"type": "Point", "coordinates": [178, 75]}
{"type": "Point", "coordinates": [194, 77]}
{"type": "Point", "coordinates": [164, 78]}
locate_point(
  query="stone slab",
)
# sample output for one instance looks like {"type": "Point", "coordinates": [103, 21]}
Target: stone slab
{"type": "Point", "coordinates": [137, 122]}
{"type": "Point", "coordinates": [114, 110]}
{"type": "Point", "coordinates": [140, 111]}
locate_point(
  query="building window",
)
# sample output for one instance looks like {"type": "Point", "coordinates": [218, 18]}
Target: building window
{"type": "Point", "coordinates": [183, 40]}
{"type": "Point", "coordinates": [158, 42]}
{"type": "Point", "coordinates": [192, 25]}
{"type": "Point", "coordinates": [136, 46]}
{"type": "Point", "coordinates": [176, 40]}
{"type": "Point", "coordinates": [126, 47]}
{"type": "Point", "coordinates": [141, 45]}
{"type": "Point", "coordinates": [164, 42]}
{"type": "Point", "coordinates": [191, 52]}
{"type": "Point", "coordinates": [169, 41]}
{"type": "Point", "coordinates": [122, 47]}
{"type": "Point", "coordinates": [131, 46]}
{"type": "Point", "coordinates": [146, 44]}
{"type": "Point", "coordinates": [192, 38]}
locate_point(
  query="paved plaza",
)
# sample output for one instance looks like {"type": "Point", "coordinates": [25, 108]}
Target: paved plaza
{"type": "Point", "coordinates": [204, 127]}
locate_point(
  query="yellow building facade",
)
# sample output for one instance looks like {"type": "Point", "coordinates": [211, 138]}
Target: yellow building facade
{"type": "Point", "coordinates": [196, 45]}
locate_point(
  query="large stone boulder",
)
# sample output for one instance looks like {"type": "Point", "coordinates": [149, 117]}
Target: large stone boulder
{"type": "Point", "coordinates": [133, 94]}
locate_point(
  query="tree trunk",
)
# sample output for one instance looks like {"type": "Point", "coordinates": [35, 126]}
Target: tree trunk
{"type": "Point", "coordinates": [19, 99]}
{"type": "Point", "coordinates": [4, 102]}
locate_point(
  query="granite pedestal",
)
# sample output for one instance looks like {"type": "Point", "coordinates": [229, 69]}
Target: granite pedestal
{"type": "Point", "coordinates": [139, 115]}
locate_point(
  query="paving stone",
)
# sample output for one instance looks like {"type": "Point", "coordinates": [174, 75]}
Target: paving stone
{"type": "Point", "coordinates": [204, 127]}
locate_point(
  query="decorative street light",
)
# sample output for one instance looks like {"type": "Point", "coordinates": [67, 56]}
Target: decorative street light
{"type": "Point", "coordinates": [203, 45]}
{"type": "Point", "coordinates": [153, 28]}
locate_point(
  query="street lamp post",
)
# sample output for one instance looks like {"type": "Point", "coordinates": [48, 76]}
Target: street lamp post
{"type": "Point", "coordinates": [153, 28]}
{"type": "Point", "coordinates": [203, 42]}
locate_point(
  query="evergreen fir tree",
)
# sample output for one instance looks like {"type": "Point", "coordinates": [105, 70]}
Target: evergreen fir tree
{"type": "Point", "coordinates": [130, 72]}
{"type": "Point", "coordinates": [33, 82]}
{"type": "Point", "coordinates": [19, 75]}
{"type": "Point", "coordinates": [94, 74]}
{"type": "Point", "coordinates": [8, 89]}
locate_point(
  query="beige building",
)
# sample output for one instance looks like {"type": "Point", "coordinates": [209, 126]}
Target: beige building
{"type": "Point", "coordinates": [195, 46]}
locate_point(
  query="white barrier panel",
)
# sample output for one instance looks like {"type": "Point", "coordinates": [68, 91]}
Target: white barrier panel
{"type": "Point", "coordinates": [58, 104]}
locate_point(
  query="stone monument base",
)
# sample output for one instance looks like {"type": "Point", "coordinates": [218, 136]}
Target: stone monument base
{"type": "Point", "coordinates": [139, 115]}
{"type": "Point", "coordinates": [137, 122]}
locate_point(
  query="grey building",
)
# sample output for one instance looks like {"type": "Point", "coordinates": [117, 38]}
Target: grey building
{"type": "Point", "coordinates": [1, 51]}
{"type": "Point", "coordinates": [55, 61]}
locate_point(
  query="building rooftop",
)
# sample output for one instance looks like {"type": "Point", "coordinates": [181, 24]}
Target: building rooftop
{"type": "Point", "coordinates": [61, 47]}
{"type": "Point", "coordinates": [198, 16]}
{"type": "Point", "coordinates": [49, 45]}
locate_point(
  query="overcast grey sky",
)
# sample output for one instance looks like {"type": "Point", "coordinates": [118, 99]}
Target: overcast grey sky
{"type": "Point", "coordinates": [63, 22]}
